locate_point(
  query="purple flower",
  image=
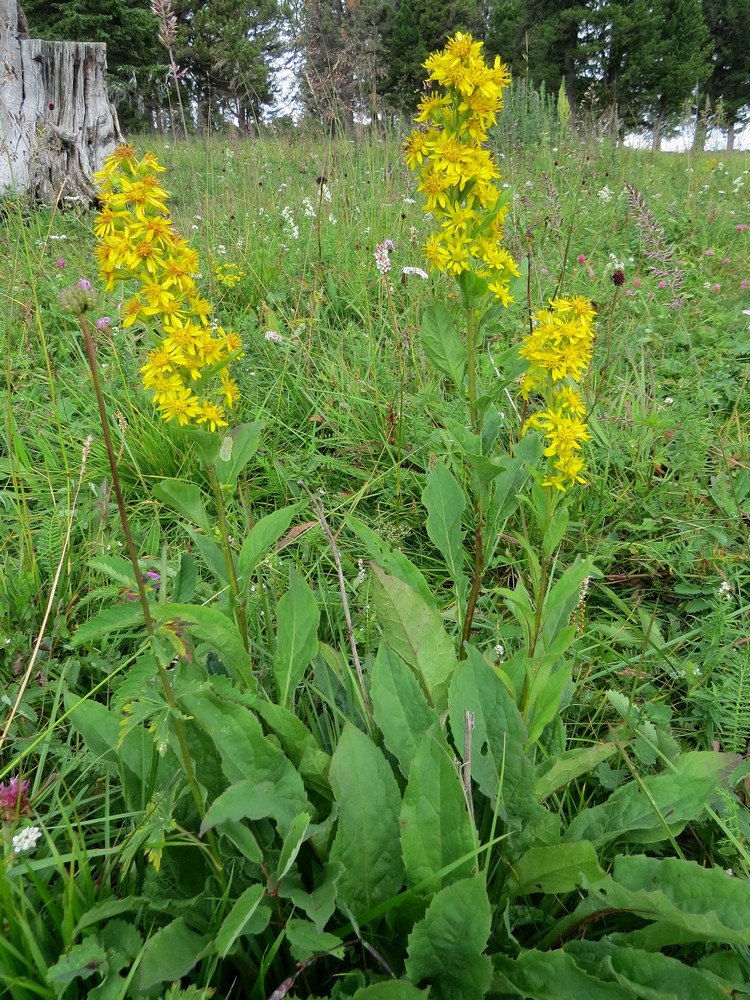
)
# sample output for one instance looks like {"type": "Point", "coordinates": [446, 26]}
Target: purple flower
{"type": "Point", "coordinates": [581, 258]}
{"type": "Point", "coordinates": [60, 263]}
{"type": "Point", "coordinates": [709, 253]}
{"type": "Point", "coordinates": [14, 799]}
{"type": "Point", "coordinates": [382, 256]}
{"type": "Point", "coordinates": [103, 323]}
{"type": "Point", "coordinates": [85, 284]}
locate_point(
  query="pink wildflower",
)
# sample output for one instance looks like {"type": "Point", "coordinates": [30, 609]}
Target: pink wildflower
{"type": "Point", "coordinates": [709, 253]}
{"type": "Point", "coordinates": [60, 263]}
{"type": "Point", "coordinates": [14, 800]}
{"type": "Point", "coordinates": [581, 258]}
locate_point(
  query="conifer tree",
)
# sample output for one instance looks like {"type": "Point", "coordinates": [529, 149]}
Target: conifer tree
{"type": "Point", "coordinates": [728, 85]}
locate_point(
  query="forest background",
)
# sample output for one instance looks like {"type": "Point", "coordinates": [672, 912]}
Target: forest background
{"type": "Point", "coordinates": [634, 65]}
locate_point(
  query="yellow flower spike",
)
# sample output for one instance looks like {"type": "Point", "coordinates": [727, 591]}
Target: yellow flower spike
{"type": "Point", "coordinates": [138, 243]}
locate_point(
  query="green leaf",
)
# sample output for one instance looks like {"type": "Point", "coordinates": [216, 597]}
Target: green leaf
{"type": "Point", "coordinates": [80, 961]}
{"type": "Point", "coordinates": [247, 754]}
{"type": "Point", "coordinates": [414, 630]}
{"type": "Point", "coordinates": [649, 975]}
{"type": "Point", "coordinates": [569, 765]}
{"type": "Point", "coordinates": [306, 940]}
{"type": "Point", "coordinates": [293, 841]}
{"type": "Point", "coordinates": [212, 627]}
{"type": "Point", "coordinates": [446, 947]}
{"type": "Point", "coordinates": [498, 760]}
{"type": "Point", "coordinates": [546, 696]}
{"type": "Point", "coordinates": [262, 537]}
{"type": "Point", "coordinates": [436, 828]}
{"type": "Point", "coordinates": [237, 448]}
{"type": "Point", "coordinates": [393, 561]}
{"type": "Point", "coordinates": [445, 503]}
{"type": "Point", "coordinates": [367, 841]}
{"type": "Point", "coordinates": [658, 806]}
{"type": "Point", "coordinates": [395, 989]}
{"type": "Point", "coordinates": [120, 618]}
{"type": "Point", "coordinates": [116, 568]}
{"type": "Point", "coordinates": [171, 953]}
{"type": "Point", "coordinates": [255, 800]}
{"type": "Point", "coordinates": [507, 486]}
{"type": "Point", "coordinates": [556, 869]}
{"type": "Point", "coordinates": [238, 918]}
{"type": "Point", "coordinates": [563, 598]}
{"type": "Point", "coordinates": [399, 705]}
{"type": "Point", "coordinates": [707, 904]}
{"type": "Point", "coordinates": [555, 530]}
{"type": "Point", "coordinates": [184, 498]}
{"type": "Point", "coordinates": [185, 580]}
{"type": "Point", "coordinates": [318, 904]}
{"type": "Point", "coordinates": [299, 744]}
{"type": "Point", "coordinates": [212, 553]}
{"type": "Point", "coordinates": [297, 637]}
{"type": "Point", "coordinates": [442, 344]}
{"type": "Point", "coordinates": [552, 975]}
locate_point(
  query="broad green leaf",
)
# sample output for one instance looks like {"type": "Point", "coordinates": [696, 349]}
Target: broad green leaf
{"type": "Point", "coordinates": [706, 903]}
{"type": "Point", "coordinates": [445, 503]}
{"type": "Point", "coordinates": [650, 975]}
{"type": "Point", "coordinates": [552, 975]}
{"type": "Point", "coordinates": [499, 763]}
{"type": "Point", "coordinates": [367, 842]}
{"type": "Point", "coordinates": [660, 805]}
{"type": "Point", "coordinates": [247, 754]}
{"type": "Point", "coordinates": [436, 828]}
{"type": "Point", "coordinates": [442, 344]}
{"type": "Point", "coordinates": [547, 697]}
{"type": "Point", "coordinates": [184, 498]}
{"type": "Point", "coordinates": [80, 961]}
{"type": "Point", "coordinates": [213, 555]}
{"type": "Point", "coordinates": [555, 530]}
{"type": "Point", "coordinates": [238, 918]}
{"type": "Point", "coordinates": [446, 948]}
{"type": "Point", "coordinates": [262, 537]}
{"type": "Point", "coordinates": [212, 627]}
{"type": "Point", "coordinates": [297, 637]}
{"type": "Point", "coordinates": [393, 561]}
{"type": "Point", "coordinates": [399, 705]}
{"type": "Point", "coordinates": [394, 989]}
{"type": "Point", "coordinates": [237, 448]}
{"type": "Point", "coordinates": [185, 580]}
{"type": "Point", "coordinates": [556, 869]}
{"type": "Point", "coordinates": [243, 839]}
{"type": "Point", "coordinates": [293, 841]}
{"type": "Point", "coordinates": [120, 618]}
{"type": "Point", "coordinates": [255, 800]}
{"type": "Point", "coordinates": [318, 904]}
{"type": "Point", "coordinates": [171, 953]}
{"type": "Point", "coordinates": [306, 940]}
{"type": "Point", "coordinates": [507, 486]}
{"type": "Point", "coordinates": [415, 631]}
{"type": "Point", "coordinates": [563, 598]}
{"type": "Point", "coordinates": [299, 744]}
{"type": "Point", "coordinates": [569, 765]}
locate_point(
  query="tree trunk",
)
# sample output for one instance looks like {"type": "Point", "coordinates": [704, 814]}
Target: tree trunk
{"type": "Point", "coordinates": [730, 136]}
{"type": "Point", "coordinates": [56, 123]}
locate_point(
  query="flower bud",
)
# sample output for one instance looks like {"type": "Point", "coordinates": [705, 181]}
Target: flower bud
{"type": "Point", "coordinates": [77, 299]}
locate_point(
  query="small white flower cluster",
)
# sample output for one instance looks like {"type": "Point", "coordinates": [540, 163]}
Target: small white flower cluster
{"type": "Point", "coordinates": [417, 272]}
{"type": "Point", "coordinates": [26, 840]}
{"type": "Point", "coordinates": [291, 229]}
{"type": "Point", "coordinates": [274, 336]}
{"type": "Point", "coordinates": [604, 194]}
{"type": "Point", "coordinates": [499, 652]}
{"type": "Point", "coordinates": [309, 209]}
{"type": "Point", "coordinates": [725, 591]}
{"type": "Point", "coordinates": [361, 574]}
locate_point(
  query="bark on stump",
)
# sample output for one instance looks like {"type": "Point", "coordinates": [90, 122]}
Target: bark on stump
{"type": "Point", "coordinates": [56, 123]}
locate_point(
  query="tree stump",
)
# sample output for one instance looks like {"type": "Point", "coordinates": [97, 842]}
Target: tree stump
{"type": "Point", "coordinates": [56, 123]}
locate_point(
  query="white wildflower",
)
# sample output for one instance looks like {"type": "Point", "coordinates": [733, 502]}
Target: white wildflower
{"type": "Point", "coordinates": [416, 271]}
{"type": "Point", "coordinates": [274, 336]}
{"type": "Point", "coordinates": [26, 840]}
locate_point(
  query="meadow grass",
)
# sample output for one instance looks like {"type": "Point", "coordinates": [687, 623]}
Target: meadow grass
{"type": "Point", "coordinates": [334, 366]}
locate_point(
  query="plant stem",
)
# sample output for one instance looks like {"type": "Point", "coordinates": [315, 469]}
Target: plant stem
{"type": "Point", "coordinates": [476, 426]}
{"type": "Point", "coordinates": [234, 585]}
{"type": "Point", "coordinates": [187, 762]}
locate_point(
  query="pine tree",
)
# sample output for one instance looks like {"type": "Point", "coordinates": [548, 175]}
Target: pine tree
{"type": "Point", "coordinates": [728, 85]}
{"type": "Point", "coordinates": [414, 29]}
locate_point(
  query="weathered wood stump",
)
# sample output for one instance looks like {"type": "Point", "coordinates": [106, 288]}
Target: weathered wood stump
{"type": "Point", "coordinates": [56, 123]}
